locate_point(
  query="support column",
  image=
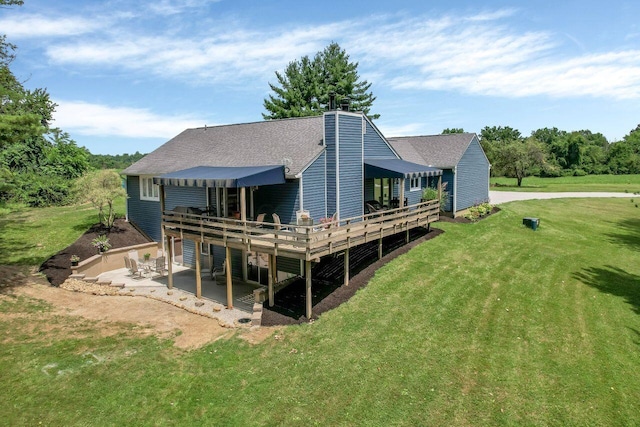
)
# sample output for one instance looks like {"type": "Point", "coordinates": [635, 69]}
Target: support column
{"type": "Point", "coordinates": [270, 279]}
{"type": "Point", "coordinates": [401, 193]}
{"type": "Point", "coordinates": [440, 191]}
{"type": "Point", "coordinates": [243, 203]}
{"type": "Point", "coordinates": [227, 260]}
{"type": "Point", "coordinates": [380, 246]}
{"type": "Point", "coordinates": [169, 263]}
{"type": "Point", "coordinates": [346, 267]}
{"type": "Point", "coordinates": [309, 295]}
{"type": "Point", "coordinates": [198, 272]}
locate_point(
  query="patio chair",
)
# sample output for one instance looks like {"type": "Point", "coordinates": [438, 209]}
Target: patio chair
{"type": "Point", "coordinates": [276, 221]}
{"type": "Point", "coordinates": [159, 266]}
{"type": "Point", "coordinates": [219, 271]}
{"type": "Point", "coordinates": [135, 270]}
{"type": "Point", "coordinates": [127, 264]}
{"type": "Point", "coordinates": [260, 219]}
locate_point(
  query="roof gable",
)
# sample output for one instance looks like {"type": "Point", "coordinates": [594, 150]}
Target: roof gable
{"type": "Point", "coordinates": [442, 151]}
{"type": "Point", "coordinates": [292, 142]}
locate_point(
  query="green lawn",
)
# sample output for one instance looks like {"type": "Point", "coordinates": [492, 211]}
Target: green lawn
{"type": "Point", "coordinates": [615, 183]}
{"type": "Point", "coordinates": [488, 324]}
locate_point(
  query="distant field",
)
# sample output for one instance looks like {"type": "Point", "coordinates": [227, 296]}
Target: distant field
{"type": "Point", "coordinates": [488, 324]}
{"type": "Point", "coordinates": [615, 183]}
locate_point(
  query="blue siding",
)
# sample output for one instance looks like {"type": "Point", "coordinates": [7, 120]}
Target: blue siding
{"type": "Point", "coordinates": [447, 178]}
{"type": "Point", "coordinates": [351, 179]}
{"type": "Point", "coordinates": [314, 187]}
{"type": "Point", "coordinates": [368, 189]}
{"type": "Point", "coordinates": [375, 147]}
{"type": "Point", "coordinates": [185, 196]}
{"type": "Point", "coordinates": [144, 214]}
{"type": "Point", "coordinates": [472, 177]}
{"type": "Point", "coordinates": [330, 142]}
{"type": "Point", "coordinates": [282, 199]}
{"type": "Point", "coordinates": [413, 197]}
{"type": "Point", "coordinates": [289, 265]}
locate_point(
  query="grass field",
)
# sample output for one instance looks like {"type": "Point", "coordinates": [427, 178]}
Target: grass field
{"type": "Point", "coordinates": [615, 183]}
{"type": "Point", "coordinates": [488, 324]}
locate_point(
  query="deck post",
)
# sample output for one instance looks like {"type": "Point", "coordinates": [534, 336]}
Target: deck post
{"type": "Point", "coordinates": [227, 260]}
{"type": "Point", "coordinates": [270, 279]}
{"type": "Point", "coordinates": [346, 267]}
{"type": "Point", "coordinates": [308, 286]}
{"type": "Point", "coordinates": [401, 204]}
{"type": "Point", "coordinates": [380, 246]}
{"type": "Point", "coordinates": [198, 272]}
{"type": "Point", "coordinates": [243, 203]}
{"type": "Point", "coordinates": [440, 190]}
{"type": "Point", "coordinates": [169, 263]}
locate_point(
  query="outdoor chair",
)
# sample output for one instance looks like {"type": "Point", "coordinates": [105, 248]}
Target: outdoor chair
{"type": "Point", "coordinates": [260, 219]}
{"type": "Point", "coordinates": [219, 271]}
{"type": "Point", "coordinates": [276, 221]}
{"type": "Point", "coordinates": [135, 270]}
{"type": "Point", "coordinates": [159, 266]}
{"type": "Point", "coordinates": [127, 264]}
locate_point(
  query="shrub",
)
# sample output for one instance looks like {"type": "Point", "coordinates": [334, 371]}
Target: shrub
{"type": "Point", "coordinates": [102, 243]}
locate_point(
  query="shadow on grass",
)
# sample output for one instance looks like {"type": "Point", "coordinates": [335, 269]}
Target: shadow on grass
{"type": "Point", "coordinates": [614, 281]}
{"type": "Point", "coordinates": [629, 234]}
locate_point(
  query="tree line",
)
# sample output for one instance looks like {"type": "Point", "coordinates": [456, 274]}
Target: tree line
{"type": "Point", "coordinates": [550, 152]}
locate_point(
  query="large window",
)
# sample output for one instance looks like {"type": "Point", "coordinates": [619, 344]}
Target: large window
{"type": "Point", "coordinates": [149, 190]}
{"type": "Point", "coordinates": [415, 184]}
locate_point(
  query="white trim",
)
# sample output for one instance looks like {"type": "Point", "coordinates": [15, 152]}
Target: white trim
{"type": "Point", "coordinates": [454, 195]}
{"type": "Point", "coordinates": [126, 202]}
{"type": "Point", "coordinates": [364, 128]}
{"type": "Point", "coordinates": [415, 187]}
{"type": "Point", "coordinates": [144, 188]}
{"type": "Point", "coordinates": [301, 191]}
{"type": "Point", "coordinates": [337, 127]}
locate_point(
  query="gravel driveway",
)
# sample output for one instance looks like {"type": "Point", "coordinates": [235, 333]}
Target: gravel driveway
{"type": "Point", "coordinates": [498, 197]}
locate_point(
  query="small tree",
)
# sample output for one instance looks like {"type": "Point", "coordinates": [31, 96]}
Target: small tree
{"type": "Point", "coordinates": [519, 159]}
{"type": "Point", "coordinates": [101, 189]}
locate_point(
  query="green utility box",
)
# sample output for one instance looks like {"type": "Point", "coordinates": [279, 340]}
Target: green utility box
{"type": "Point", "coordinates": [532, 223]}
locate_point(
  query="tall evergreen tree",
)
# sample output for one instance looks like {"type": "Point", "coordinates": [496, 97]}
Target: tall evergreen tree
{"type": "Point", "coordinates": [304, 87]}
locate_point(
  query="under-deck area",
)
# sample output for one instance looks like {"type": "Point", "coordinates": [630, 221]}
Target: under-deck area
{"type": "Point", "coordinates": [308, 243]}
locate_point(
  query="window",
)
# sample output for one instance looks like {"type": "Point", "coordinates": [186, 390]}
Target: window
{"type": "Point", "coordinates": [415, 184]}
{"type": "Point", "coordinates": [149, 190]}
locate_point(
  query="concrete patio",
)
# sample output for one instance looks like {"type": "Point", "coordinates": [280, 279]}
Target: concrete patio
{"type": "Point", "coordinates": [214, 296]}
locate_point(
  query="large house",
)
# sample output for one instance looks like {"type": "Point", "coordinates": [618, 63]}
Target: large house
{"type": "Point", "coordinates": [294, 189]}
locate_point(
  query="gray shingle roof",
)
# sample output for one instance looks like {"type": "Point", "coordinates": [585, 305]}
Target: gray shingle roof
{"type": "Point", "coordinates": [298, 140]}
{"type": "Point", "coordinates": [442, 151]}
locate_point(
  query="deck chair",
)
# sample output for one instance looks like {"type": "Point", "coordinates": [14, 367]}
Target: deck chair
{"type": "Point", "coordinates": [219, 272]}
{"type": "Point", "coordinates": [260, 219]}
{"type": "Point", "coordinates": [135, 270]}
{"type": "Point", "coordinates": [127, 264]}
{"type": "Point", "coordinates": [276, 221]}
{"type": "Point", "coordinates": [159, 266]}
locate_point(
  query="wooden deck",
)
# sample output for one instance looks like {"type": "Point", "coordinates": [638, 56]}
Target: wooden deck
{"type": "Point", "coordinates": [308, 243]}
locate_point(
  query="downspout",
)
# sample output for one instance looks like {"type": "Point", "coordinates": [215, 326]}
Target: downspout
{"type": "Point", "coordinates": [337, 166]}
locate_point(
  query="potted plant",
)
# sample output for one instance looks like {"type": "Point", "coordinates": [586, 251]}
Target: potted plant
{"type": "Point", "coordinates": [147, 256]}
{"type": "Point", "coordinates": [102, 243]}
{"type": "Point", "coordinates": [75, 259]}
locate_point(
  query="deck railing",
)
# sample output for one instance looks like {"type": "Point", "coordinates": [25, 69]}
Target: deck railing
{"type": "Point", "coordinates": [298, 241]}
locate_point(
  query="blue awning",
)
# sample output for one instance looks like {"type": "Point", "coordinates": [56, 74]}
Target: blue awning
{"type": "Point", "coordinates": [220, 176]}
{"type": "Point", "coordinates": [397, 168]}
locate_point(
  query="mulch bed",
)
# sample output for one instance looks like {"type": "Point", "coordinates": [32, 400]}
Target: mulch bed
{"type": "Point", "coordinates": [122, 234]}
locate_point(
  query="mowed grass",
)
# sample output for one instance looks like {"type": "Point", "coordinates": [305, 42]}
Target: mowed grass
{"type": "Point", "coordinates": [614, 183]}
{"type": "Point", "coordinates": [488, 324]}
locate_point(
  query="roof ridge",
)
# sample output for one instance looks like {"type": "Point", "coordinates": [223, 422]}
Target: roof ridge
{"type": "Point", "coordinates": [254, 123]}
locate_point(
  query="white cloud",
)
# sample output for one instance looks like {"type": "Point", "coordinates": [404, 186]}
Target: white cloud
{"type": "Point", "coordinates": [102, 120]}
{"type": "Point", "coordinates": [481, 54]}
{"type": "Point", "coordinates": [34, 26]}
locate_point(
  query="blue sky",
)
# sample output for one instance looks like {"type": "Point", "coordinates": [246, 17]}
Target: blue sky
{"type": "Point", "coordinates": [128, 76]}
